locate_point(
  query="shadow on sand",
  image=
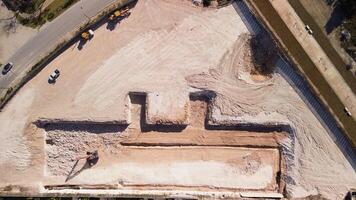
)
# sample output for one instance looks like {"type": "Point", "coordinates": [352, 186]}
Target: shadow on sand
{"type": "Point", "coordinates": [73, 174]}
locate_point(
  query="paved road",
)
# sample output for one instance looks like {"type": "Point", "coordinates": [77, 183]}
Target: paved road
{"type": "Point", "coordinates": [303, 90]}
{"type": "Point", "coordinates": [50, 35]}
{"type": "Point", "coordinates": [324, 43]}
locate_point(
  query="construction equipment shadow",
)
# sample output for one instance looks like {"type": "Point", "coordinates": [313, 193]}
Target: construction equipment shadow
{"type": "Point", "coordinates": [73, 174]}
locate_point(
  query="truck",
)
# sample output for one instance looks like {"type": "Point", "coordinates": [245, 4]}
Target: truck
{"type": "Point", "coordinates": [87, 35]}
{"type": "Point", "coordinates": [119, 13]}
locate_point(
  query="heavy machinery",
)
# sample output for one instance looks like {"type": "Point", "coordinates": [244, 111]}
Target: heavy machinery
{"type": "Point", "coordinates": [120, 13]}
{"type": "Point", "coordinates": [86, 35]}
{"type": "Point", "coordinates": [92, 157]}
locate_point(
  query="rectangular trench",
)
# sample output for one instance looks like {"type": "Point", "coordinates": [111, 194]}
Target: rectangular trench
{"type": "Point", "coordinates": [197, 168]}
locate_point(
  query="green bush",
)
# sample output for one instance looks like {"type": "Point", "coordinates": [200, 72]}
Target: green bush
{"type": "Point", "coordinates": [50, 16]}
{"type": "Point", "coordinates": [68, 3]}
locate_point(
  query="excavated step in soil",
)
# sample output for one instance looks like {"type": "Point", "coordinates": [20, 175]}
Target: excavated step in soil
{"type": "Point", "coordinates": [152, 156]}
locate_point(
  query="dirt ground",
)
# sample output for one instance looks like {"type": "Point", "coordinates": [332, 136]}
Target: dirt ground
{"type": "Point", "coordinates": [167, 50]}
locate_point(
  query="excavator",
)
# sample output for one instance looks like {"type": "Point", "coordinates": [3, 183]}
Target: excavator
{"type": "Point", "coordinates": [120, 13]}
{"type": "Point", "coordinates": [92, 157]}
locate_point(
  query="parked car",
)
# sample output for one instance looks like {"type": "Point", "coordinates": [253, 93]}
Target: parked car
{"type": "Point", "coordinates": [52, 78]}
{"type": "Point", "coordinates": [307, 27]}
{"type": "Point", "coordinates": [7, 68]}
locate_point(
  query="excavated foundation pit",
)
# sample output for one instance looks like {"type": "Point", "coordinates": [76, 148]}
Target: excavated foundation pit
{"type": "Point", "coordinates": [148, 156]}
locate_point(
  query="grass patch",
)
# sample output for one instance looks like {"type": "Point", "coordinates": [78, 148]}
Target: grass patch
{"type": "Point", "coordinates": [51, 12]}
{"type": "Point", "coordinates": [32, 7]}
{"type": "Point", "coordinates": [32, 22]}
{"type": "Point", "coordinates": [56, 8]}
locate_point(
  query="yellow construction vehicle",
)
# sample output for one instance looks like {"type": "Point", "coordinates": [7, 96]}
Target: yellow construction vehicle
{"type": "Point", "coordinates": [120, 13]}
{"type": "Point", "coordinates": [86, 35]}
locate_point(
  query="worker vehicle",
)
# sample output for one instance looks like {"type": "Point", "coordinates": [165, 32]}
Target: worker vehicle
{"type": "Point", "coordinates": [307, 27]}
{"type": "Point", "coordinates": [87, 35]}
{"type": "Point", "coordinates": [7, 68]}
{"type": "Point", "coordinates": [52, 78]}
{"type": "Point", "coordinates": [92, 157]}
{"type": "Point", "coordinates": [119, 13]}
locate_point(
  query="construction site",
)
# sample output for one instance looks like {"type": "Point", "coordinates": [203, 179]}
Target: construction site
{"type": "Point", "coordinates": [173, 100]}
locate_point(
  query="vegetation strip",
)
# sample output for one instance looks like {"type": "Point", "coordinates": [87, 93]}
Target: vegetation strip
{"type": "Point", "coordinates": [325, 44]}
{"type": "Point", "coordinates": [308, 67]}
{"type": "Point", "coordinates": [52, 11]}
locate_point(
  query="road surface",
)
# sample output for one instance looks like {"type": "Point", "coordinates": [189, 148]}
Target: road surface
{"type": "Point", "coordinates": [50, 35]}
{"type": "Point", "coordinates": [302, 88]}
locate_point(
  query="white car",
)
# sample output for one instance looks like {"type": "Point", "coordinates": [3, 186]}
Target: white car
{"type": "Point", "coordinates": [52, 78]}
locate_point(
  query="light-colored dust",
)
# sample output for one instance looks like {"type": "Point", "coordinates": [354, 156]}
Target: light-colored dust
{"type": "Point", "coordinates": [317, 156]}
{"type": "Point", "coordinates": [159, 54]}
{"type": "Point", "coordinates": [172, 47]}
{"type": "Point", "coordinates": [160, 105]}
{"type": "Point", "coordinates": [187, 166]}
{"type": "Point", "coordinates": [13, 120]}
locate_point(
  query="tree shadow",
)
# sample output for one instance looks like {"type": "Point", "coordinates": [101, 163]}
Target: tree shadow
{"type": "Point", "coordinates": [335, 20]}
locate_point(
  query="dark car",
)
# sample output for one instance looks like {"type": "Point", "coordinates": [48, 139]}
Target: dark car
{"type": "Point", "coordinates": [7, 68]}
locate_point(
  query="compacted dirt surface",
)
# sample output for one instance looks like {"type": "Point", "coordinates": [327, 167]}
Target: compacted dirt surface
{"type": "Point", "coordinates": [170, 99]}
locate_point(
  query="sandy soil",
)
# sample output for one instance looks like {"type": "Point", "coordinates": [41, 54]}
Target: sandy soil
{"type": "Point", "coordinates": [14, 38]}
{"type": "Point", "coordinates": [170, 48]}
{"type": "Point", "coordinates": [188, 166]}
{"type": "Point", "coordinates": [159, 154]}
